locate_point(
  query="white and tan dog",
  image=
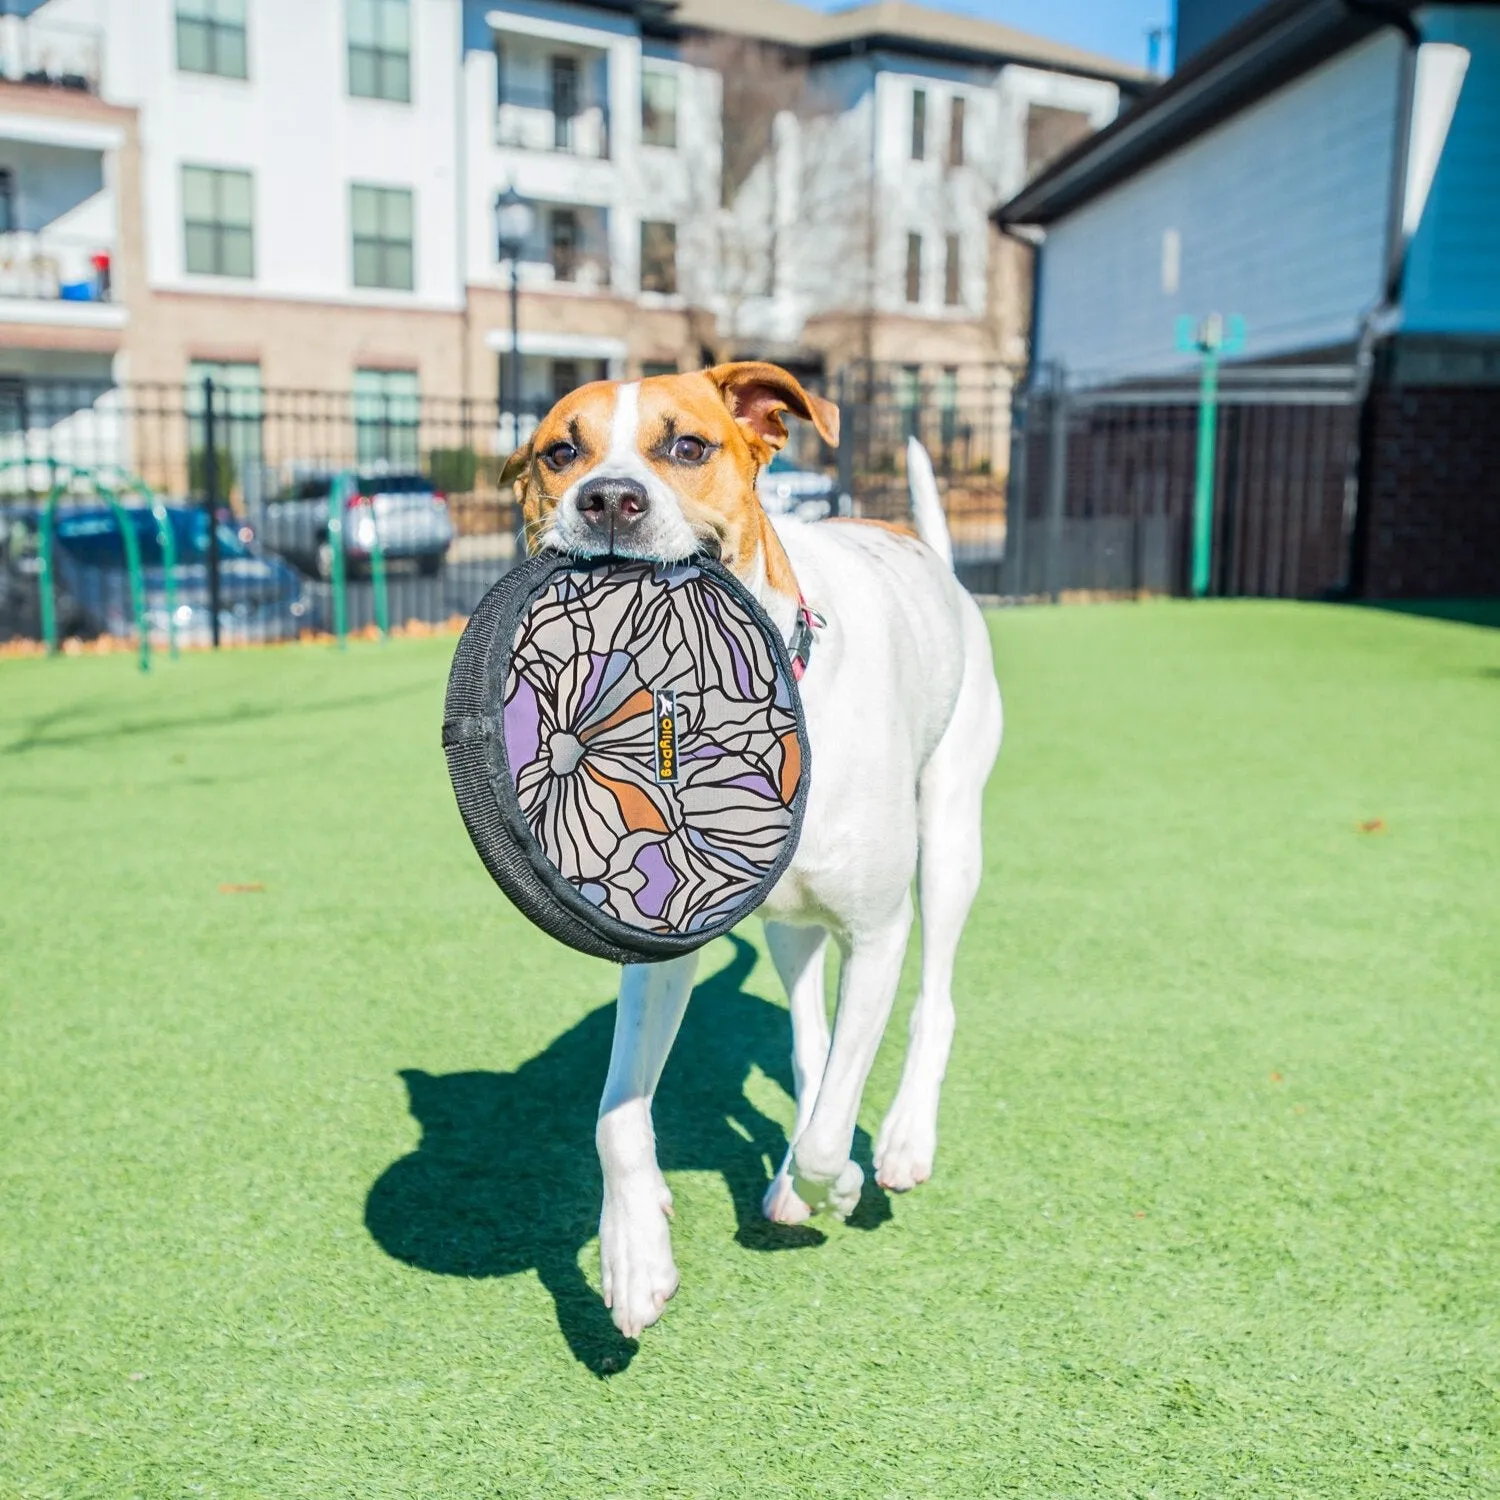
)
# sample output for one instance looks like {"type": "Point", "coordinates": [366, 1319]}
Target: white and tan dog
{"type": "Point", "coordinates": [903, 716]}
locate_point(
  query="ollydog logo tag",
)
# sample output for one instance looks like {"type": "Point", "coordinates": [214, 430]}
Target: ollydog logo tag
{"type": "Point", "coordinates": [666, 736]}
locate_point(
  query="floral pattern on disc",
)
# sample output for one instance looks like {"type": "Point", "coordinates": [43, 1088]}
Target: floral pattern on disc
{"type": "Point", "coordinates": [590, 655]}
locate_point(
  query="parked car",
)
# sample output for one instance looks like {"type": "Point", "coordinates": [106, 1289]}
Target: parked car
{"type": "Point", "coordinates": [405, 511]}
{"type": "Point", "coordinates": [260, 597]}
{"type": "Point", "coordinates": [785, 489]}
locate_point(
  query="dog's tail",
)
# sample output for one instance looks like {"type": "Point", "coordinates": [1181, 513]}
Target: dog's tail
{"type": "Point", "coordinates": [926, 503]}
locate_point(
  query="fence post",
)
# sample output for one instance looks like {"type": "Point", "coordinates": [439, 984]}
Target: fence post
{"type": "Point", "coordinates": [1057, 481]}
{"type": "Point", "coordinates": [1017, 496]}
{"type": "Point", "coordinates": [211, 502]}
{"type": "Point", "coordinates": [847, 421]}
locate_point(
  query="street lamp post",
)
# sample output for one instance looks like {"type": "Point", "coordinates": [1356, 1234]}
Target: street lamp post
{"type": "Point", "coordinates": [515, 219]}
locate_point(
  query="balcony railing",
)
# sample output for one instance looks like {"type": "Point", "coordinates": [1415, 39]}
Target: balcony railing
{"type": "Point", "coordinates": [50, 53]}
{"type": "Point", "coordinates": [585, 269]}
{"type": "Point", "coordinates": [541, 120]}
{"type": "Point", "coordinates": [40, 266]}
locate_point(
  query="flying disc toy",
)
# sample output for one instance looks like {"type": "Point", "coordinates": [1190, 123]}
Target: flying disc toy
{"type": "Point", "coordinates": [627, 746]}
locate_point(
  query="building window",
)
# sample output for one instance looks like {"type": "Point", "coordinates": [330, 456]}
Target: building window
{"type": "Point", "coordinates": [563, 234]}
{"type": "Point", "coordinates": [956, 133]}
{"type": "Point", "coordinates": [564, 377]}
{"type": "Point", "coordinates": [239, 413]}
{"type": "Point", "coordinates": [947, 402]}
{"type": "Point", "coordinates": [658, 107]}
{"type": "Point", "coordinates": [652, 367]}
{"type": "Point", "coordinates": [7, 201]}
{"type": "Point", "coordinates": [914, 268]}
{"type": "Point", "coordinates": [658, 257]}
{"type": "Point", "coordinates": [382, 223]}
{"type": "Point", "coordinates": [211, 37]}
{"type": "Point", "coordinates": [909, 398]}
{"type": "Point", "coordinates": [218, 222]}
{"type": "Point", "coordinates": [919, 124]}
{"type": "Point", "coordinates": [387, 417]}
{"type": "Point", "coordinates": [564, 101]}
{"type": "Point", "coordinates": [951, 288]}
{"type": "Point", "coordinates": [380, 49]}
{"type": "Point", "coordinates": [1050, 132]}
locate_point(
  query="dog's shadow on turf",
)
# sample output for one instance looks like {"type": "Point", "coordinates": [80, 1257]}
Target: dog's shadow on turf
{"type": "Point", "coordinates": [505, 1178]}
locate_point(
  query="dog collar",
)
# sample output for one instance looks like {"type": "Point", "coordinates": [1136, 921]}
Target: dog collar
{"type": "Point", "coordinates": [808, 620]}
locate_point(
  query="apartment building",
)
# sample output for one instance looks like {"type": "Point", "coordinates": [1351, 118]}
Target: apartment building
{"type": "Point", "coordinates": [299, 195]}
{"type": "Point", "coordinates": [909, 127]}
{"type": "Point", "coordinates": [70, 234]}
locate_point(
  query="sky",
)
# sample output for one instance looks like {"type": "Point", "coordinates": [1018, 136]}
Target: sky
{"type": "Point", "coordinates": [1117, 28]}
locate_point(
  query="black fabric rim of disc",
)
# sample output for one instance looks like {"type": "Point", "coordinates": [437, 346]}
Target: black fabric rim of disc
{"type": "Point", "coordinates": [473, 731]}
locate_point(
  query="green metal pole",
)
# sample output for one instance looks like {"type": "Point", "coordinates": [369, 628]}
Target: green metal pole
{"type": "Point", "coordinates": [132, 545]}
{"type": "Point", "coordinates": [338, 493]}
{"type": "Point", "coordinates": [44, 555]}
{"type": "Point", "coordinates": [1203, 488]}
{"type": "Point", "coordinates": [166, 539]}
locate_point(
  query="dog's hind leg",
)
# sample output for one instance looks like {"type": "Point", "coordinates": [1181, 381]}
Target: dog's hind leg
{"type": "Point", "coordinates": [822, 1173]}
{"type": "Point", "coordinates": [635, 1246]}
{"type": "Point", "coordinates": [950, 810]}
{"type": "Point", "coordinates": [798, 953]}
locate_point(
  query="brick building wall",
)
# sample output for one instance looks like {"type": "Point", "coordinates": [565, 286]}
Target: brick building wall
{"type": "Point", "coordinates": [1431, 502]}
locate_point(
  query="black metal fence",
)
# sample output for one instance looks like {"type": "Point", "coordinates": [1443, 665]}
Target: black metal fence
{"type": "Point", "coordinates": [427, 483]}
{"type": "Point", "coordinates": [1103, 481]}
{"type": "Point", "coordinates": [962, 415]}
{"type": "Point", "coordinates": [1060, 487]}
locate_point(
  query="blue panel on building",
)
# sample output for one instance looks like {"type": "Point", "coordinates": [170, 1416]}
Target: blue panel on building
{"type": "Point", "coordinates": [1453, 267]}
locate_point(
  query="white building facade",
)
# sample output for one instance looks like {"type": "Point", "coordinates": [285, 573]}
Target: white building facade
{"type": "Point", "coordinates": [301, 195]}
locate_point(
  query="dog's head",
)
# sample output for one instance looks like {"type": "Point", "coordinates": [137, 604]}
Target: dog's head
{"type": "Point", "coordinates": [665, 467]}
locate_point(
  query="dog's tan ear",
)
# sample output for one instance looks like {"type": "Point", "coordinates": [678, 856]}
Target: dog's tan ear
{"type": "Point", "coordinates": [517, 474]}
{"type": "Point", "coordinates": [757, 394]}
{"type": "Point", "coordinates": [516, 464]}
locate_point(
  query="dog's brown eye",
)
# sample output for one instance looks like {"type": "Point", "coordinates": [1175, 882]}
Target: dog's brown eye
{"type": "Point", "coordinates": [560, 455]}
{"type": "Point", "coordinates": [689, 450]}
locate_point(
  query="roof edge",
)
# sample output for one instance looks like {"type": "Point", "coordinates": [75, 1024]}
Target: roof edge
{"type": "Point", "coordinates": [826, 39]}
{"type": "Point", "coordinates": [1270, 49]}
{"type": "Point", "coordinates": [1129, 80]}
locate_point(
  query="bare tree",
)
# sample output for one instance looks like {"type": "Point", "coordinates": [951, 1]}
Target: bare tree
{"type": "Point", "coordinates": [736, 232]}
{"type": "Point", "coordinates": [790, 219]}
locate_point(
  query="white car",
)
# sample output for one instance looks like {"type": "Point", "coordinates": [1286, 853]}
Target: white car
{"type": "Point", "coordinates": [786, 490]}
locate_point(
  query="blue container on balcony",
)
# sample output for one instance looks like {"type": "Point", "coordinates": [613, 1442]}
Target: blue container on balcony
{"type": "Point", "coordinates": [78, 291]}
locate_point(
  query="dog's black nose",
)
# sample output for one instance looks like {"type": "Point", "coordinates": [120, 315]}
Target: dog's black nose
{"type": "Point", "coordinates": [613, 505]}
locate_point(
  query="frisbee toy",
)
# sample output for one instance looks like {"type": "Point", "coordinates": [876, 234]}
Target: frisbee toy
{"type": "Point", "coordinates": [627, 746]}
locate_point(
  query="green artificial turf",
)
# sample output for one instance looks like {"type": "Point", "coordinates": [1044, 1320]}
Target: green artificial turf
{"type": "Point", "coordinates": [297, 1191]}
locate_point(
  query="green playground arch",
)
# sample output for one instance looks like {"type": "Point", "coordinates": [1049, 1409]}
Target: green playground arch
{"type": "Point", "coordinates": [109, 482]}
{"type": "Point", "coordinates": [107, 485]}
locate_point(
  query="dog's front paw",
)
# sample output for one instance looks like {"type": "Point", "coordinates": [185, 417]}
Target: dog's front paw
{"type": "Point", "coordinates": [635, 1256]}
{"type": "Point", "coordinates": [905, 1148]}
{"type": "Point", "coordinates": [837, 1195]}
